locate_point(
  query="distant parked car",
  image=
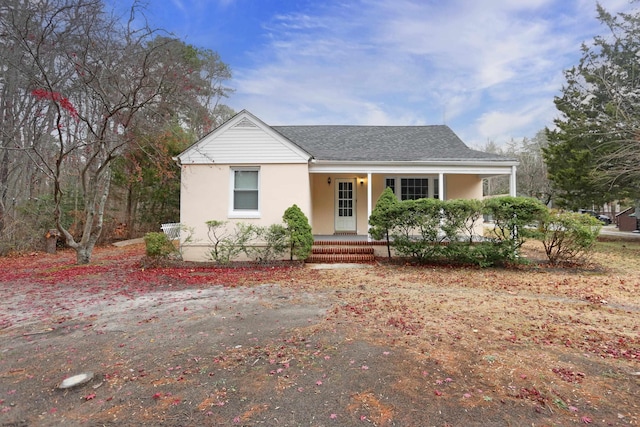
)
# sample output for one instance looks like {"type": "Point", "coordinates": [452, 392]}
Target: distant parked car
{"type": "Point", "coordinates": [603, 218]}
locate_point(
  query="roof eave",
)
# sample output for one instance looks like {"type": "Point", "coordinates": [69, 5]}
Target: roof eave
{"type": "Point", "coordinates": [481, 168]}
{"type": "Point", "coordinates": [458, 162]}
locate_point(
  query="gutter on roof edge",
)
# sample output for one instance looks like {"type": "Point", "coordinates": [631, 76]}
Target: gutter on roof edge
{"type": "Point", "coordinates": [506, 162]}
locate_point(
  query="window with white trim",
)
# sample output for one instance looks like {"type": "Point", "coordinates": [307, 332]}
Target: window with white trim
{"type": "Point", "coordinates": [412, 188]}
{"type": "Point", "coordinates": [245, 189]}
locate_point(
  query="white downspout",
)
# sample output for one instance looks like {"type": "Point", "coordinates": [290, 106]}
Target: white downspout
{"type": "Point", "coordinates": [369, 203]}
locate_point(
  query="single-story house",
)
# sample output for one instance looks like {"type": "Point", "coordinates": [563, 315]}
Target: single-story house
{"type": "Point", "coordinates": [248, 171]}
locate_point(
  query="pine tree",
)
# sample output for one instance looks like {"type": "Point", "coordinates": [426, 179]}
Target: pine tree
{"type": "Point", "coordinates": [594, 152]}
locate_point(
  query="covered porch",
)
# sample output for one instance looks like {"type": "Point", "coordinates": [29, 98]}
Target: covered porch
{"type": "Point", "coordinates": [344, 195]}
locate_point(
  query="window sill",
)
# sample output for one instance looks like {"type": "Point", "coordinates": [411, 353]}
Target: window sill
{"type": "Point", "coordinates": [244, 214]}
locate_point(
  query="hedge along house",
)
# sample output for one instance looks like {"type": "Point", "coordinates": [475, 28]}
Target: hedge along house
{"type": "Point", "coordinates": [248, 171]}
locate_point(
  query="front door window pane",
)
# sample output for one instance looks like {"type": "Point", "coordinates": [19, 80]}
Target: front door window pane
{"type": "Point", "coordinates": [345, 199]}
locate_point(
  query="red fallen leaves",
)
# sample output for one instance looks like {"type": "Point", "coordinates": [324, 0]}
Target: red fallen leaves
{"type": "Point", "coordinates": [612, 347]}
{"type": "Point", "coordinates": [358, 310]}
{"type": "Point", "coordinates": [90, 396]}
{"type": "Point", "coordinates": [228, 277]}
{"type": "Point", "coordinates": [45, 269]}
{"type": "Point", "coordinates": [73, 272]}
{"type": "Point", "coordinates": [586, 420]}
{"type": "Point", "coordinates": [568, 375]}
{"type": "Point", "coordinates": [405, 326]}
{"type": "Point", "coordinates": [532, 394]}
{"type": "Point", "coordinates": [122, 273]}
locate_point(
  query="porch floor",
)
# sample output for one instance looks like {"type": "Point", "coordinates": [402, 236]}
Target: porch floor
{"type": "Point", "coordinates": [346, 240]}
{"type": "Point", "coordinates": [340, 238]}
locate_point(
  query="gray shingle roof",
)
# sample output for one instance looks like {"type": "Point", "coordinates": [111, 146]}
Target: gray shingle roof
{"type": "Point", "coordinates": [382, 143]}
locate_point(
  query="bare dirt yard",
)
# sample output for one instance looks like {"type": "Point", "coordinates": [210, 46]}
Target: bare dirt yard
{"type": "Point", "coordinates": [381, 345]}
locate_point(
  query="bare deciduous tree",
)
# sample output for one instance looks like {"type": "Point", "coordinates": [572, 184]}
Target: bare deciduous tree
{"type": "Point", "coordinates": [532, 178]}
{"type": "Point", "coordinates": [90, 80]}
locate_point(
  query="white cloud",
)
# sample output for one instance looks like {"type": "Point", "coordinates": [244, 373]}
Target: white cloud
{"type": "Point", "coordinates": [490, 69]}
{"type": "Point", "coordinates": [501, 125]}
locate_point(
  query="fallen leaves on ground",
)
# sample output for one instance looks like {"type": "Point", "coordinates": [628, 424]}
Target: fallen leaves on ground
{"type": "Point", "coordinates": [394, 345]}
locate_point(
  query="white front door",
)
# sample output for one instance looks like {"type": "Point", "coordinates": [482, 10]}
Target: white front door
{"type": "Point", "coordinates": [345, 215]}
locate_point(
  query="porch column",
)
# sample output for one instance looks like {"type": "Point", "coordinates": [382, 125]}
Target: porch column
{"type": "Point", "coordinates": [512, 182]}
{"type": "Point", "coordinates": [369, 203]}
{"type": "Point", "coordinates": [441, 186]}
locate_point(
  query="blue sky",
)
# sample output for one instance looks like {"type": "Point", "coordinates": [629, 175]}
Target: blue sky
{"type": "Point", "coordinates": [487, 68]}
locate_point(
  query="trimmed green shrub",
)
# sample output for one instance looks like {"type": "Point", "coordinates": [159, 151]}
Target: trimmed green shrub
{"type": "Point", "coordinates": [299, 235]}
{"type": "Point", "coordinates": [568, 236]}
{"type": "Point", "coordinates": [434, 230]}
{"type": "Point", "coordinates": [516, 220]}
{"type": "Point", "coordinates": [459, 217]}
{"type": "Point", "coordinates": [482, 254]}
{"type": "Point", "coordinates": [416, 228]}
{"type": "Point", "coordinates": [381, 220]}
{"type": "Point", "coordinates": [158, 245]}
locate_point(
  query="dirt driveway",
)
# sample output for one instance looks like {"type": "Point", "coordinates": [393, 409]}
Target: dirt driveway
{"type": "Point", "coordinates": [380, 345]}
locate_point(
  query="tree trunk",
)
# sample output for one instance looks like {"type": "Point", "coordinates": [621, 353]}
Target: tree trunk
{"type": "Point", "coordinates": [4, 186]}
{"type": "Point", "coordinates": [83, 254]}
{"type": "Point", "coordinates": [94, 218]}
{"type": "Point", "coordinates": [130, 216]}
{"type": "Point", "coordinates": [388, 244]}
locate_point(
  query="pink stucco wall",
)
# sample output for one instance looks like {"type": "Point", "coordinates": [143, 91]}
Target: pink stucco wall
{"type": "Point", "coordinates": [205, 194]}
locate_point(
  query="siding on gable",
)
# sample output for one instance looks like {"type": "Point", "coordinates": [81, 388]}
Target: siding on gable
{"type": "Point", "coordinates": [243, 145]}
